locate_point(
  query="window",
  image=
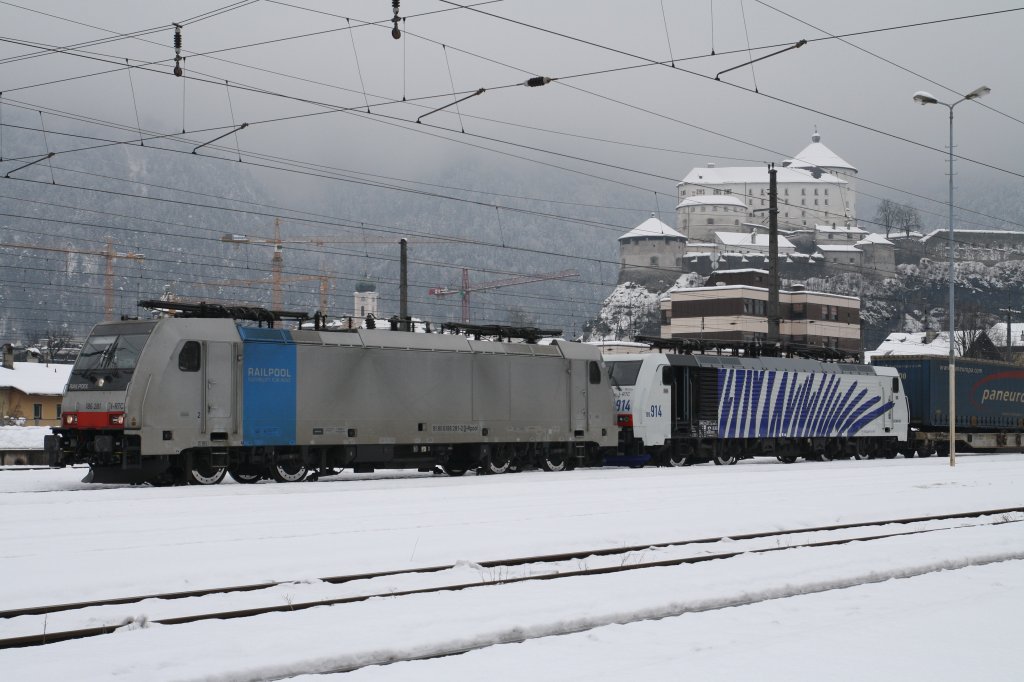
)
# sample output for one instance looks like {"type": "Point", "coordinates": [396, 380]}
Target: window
{"type": "Point", "coordinates": [188, 358]}
{"type": "Point", "coordinates": [830, 235]}
{"type": "Point", "coordinates": [718, 191]}
{"type": "Point", "coordinates": [59, 411]}
{"type": "Point", "coordinates": [815, 191]}
{"type": "Point", "coordinates": [698, 192]}
{"type": "Point", "coordinates": [803, 214]}
{"type": "Point", "coordinates": [786, 191]}
{"type": "Point", "coordinates": [711, 221]}
{"type": "Point", "coordinates": [824, 312]}
{"type": "Point", "coordinates": [803, 202]}
{"type": "Point", "coordinates": [835, 313]}
{"type": "Point", "coordinates": [654, 260]}
{"type": "Point", "coordinates": [799, 311]}
{"type": "Point", "coordinates": [852, 260]}
{"type": "Point", "coordinates": [37, 411]}
{"type": "Point", "coordinates": [803, 190]}
{"type": "Point", "coordinates": [815, 202]}
{"type": "Point", "coordinates": [595, 372]}
{"type": "Point", "coordinates": [826, 191]}
{"type": "Point", "coordinates": [826, 202]}
{"type": "Point", "coordinates": [679, 261]}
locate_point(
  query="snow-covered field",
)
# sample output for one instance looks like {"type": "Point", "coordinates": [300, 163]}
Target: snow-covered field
{"type": "Point", "coordinates": [943, 605]}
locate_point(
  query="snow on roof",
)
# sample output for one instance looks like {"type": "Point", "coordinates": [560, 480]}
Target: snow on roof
{"type": "Point", "coordinates": [817, 155]}
{"type": "Point", "coordinates": [35, 378]}
{"type": "Point", "coordinates": [997, 333]}
{"type": "Point", "coordinates": [740, 270]}
{"type": "Point", "coordinates": [652, 227]}
{"type": "Point", "coordinates": [712, 200]}
{"type": "Point", "coordinates": [911, 343]}
{"type": "Point", "coordinates": [838, 247]}
{"type": "Point", "coordinates": [739, 175]}
{"type": "Point", "coordinates": [873, 238]}
{"type": "Point", "coordinates": [1005, 233]}
{"type": "Point", "coordinates": [839, 229]}
{"type": "Point", "coordinates": [747, 239]}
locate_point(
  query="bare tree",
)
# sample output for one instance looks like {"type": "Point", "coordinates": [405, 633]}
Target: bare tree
{"type": "Point", "coordinates": [56, 339]}
{"type": "Point", "coordinates": [897, 217]}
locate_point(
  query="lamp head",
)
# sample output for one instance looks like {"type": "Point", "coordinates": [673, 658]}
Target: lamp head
{"type": "Point", "coordinates": [922, 97]}
{"type": "Point", "coordinates": [979, 92]}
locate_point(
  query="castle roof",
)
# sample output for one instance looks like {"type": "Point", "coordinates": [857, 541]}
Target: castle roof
{"type": "Point", "coordinates": [825, 248]}
{"type": "Point", "coordinates": [740, 175]}
{"type": "Point", "coordinates": [817, 155]}
{"type": "Point", "coordinates": [712, 200]}
{"type": "Point", "coordinates": [750, 239]}
{"type": "Point", "coordinates": [652, 227]}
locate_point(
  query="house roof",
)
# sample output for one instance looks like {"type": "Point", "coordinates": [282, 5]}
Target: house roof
{"type": "Point", "coordinates": [747, 239]}
{"type": "Point", "coordinates": [872, 238]}
{"type": "Point", "coordinates": [826, 248]}
{"type": "Point", "coordinates": [943, 232]}
{"type": "Point", "coordinates": [739, 175]}
{"type": "Point", "coordinates": [712, 200]}
{"type": "Point", "coordinates": [997, 333]}
{"type": "Point", "coordinates": [817, 155]}
{"type": "Point", "coordinates": [652, 227]}
{"type": "Point", "coordinates": [35, 378]}
{"type": "Point", "coordinates": [839, 229]}
{"type": "Point", "coordinates": [911, 343]}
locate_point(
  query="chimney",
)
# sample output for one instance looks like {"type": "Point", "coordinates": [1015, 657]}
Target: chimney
{"type": "Point", "coordinates": [8, 356]}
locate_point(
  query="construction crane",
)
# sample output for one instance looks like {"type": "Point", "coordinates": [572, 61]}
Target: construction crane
{"type": "Point", "coordinates": [277, 260]}
{"type": "Point", "coordinates": [466, 288]}
{"type": "Point", "coordinates": [109, 254]}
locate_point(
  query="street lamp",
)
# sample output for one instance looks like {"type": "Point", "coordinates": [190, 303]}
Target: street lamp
{"type": "Point", "coordinates": [923, 98]}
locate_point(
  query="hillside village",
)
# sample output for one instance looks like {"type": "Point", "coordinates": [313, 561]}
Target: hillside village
{"type": "Point", "coordinates": [720, 238]}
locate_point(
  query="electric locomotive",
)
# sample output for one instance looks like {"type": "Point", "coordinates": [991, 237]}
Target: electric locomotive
{"type": "Point", "coordinates": [188, 399]}
{"type": "Point", "coordinates": [684, 409]}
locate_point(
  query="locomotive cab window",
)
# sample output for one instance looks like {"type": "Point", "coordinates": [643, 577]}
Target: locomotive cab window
{"type": "Point", "coordinates": [895, 385]}
{"type": "Point", "coordinates": [666, 375]}
{"type": "Point", "coordinates": [595, 372]}
{"type": "Point", "coordinates": [188, 358]}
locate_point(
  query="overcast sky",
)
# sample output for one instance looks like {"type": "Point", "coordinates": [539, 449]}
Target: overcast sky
{"type": "Point", "coordinates": [644, 126]}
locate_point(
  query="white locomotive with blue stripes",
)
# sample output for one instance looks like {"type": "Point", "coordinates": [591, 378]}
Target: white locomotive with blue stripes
{"type": "Point", "coordinates": [677, 409]}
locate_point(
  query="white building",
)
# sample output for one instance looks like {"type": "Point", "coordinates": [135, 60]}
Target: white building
{"type": "Point", "coordinates": [699, 217]}
{"type": "Point", "coordinates": [652, 245]}
{"type": "Point", "coordinates": [815, 187]}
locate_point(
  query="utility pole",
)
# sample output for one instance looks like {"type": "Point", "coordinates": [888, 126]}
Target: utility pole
{"type": "Point", "coordinates": [773, 257]}
{"type": "Point", "coordinates": [1009, 341]}
{"type": "Point", "coordinates": [403, 286]}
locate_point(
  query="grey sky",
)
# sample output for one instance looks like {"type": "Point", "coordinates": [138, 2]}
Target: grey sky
{"type": "Point", "coordinates": [830, 76]}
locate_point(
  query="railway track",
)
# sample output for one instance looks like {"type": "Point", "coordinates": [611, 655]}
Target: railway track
{"type": "Point", "coordinates": [499, 575]}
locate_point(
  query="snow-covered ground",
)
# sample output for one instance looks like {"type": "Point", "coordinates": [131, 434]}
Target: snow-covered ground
{"type": "Point", "coordinates": [939, 606]}
{"type": "Point", "coordinates": [23, 437]}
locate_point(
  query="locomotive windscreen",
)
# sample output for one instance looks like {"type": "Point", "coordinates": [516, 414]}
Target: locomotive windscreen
{"type": "Point", "coordinates": [624, 373]}
{"type": "Point", "coordinates": [108, 358]}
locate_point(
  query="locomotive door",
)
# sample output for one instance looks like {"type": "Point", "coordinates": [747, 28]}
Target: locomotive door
{"type": "Point", "coordinates": [218, 382]}
{"type": "Point", "coordinates": [578, 395]}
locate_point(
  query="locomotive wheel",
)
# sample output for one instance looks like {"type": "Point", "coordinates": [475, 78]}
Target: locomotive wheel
{"type": "Point", "coordinates": [676, 459]}
{"type": "Point", "coordinates": [288, 472]}
{"type": "Point", "coordinates": [205, 475]}
{"type": "Point", "coordinates": [553, 463]}
{"type": "Point", "coordinates": [244, 475]}
{"type": "Point", "coordinates": [787, 459]}
{"type": "Point", "coordinates": [925, 453]}
{"type": "Point", "coordinates": [499, 462]}
{"type": "Point", "coordinates": [453, 471]}
{"type": "Point", "coordinates": [862, 454]}
{"type": "Point", "coordinates": [725, 459]}
{"type": "Point", "coordinates": [909, 454]}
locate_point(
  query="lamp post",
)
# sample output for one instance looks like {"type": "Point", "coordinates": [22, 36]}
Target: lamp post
{"type": "Point", "coordinates": [924, 98]}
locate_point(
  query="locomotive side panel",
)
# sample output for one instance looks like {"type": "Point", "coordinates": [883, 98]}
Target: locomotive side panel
{"type": "Point", "coordinates": [777, 403]}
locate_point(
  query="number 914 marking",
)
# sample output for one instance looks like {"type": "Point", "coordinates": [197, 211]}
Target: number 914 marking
{"type": "Point", "coordinates": [654, 411]}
